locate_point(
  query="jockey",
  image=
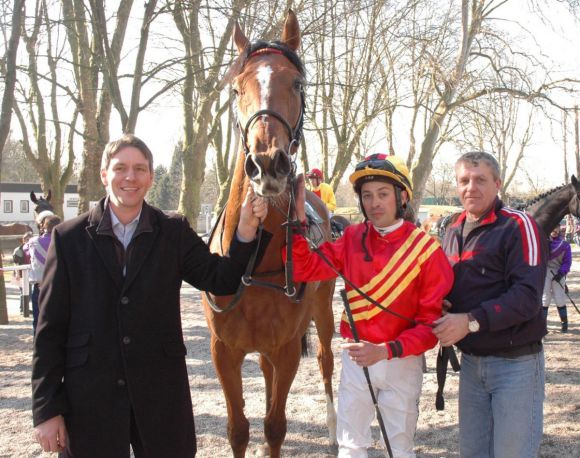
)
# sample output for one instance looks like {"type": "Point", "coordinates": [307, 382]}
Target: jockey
{"type": "Point", "coordinates": [403, 269]}
{"type": "Point", "coordinates": [559, 262]}
{"type": "Point", "coordinates": [322, 189]}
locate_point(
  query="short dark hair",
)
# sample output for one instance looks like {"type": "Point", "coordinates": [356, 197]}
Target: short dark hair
{"type": "Point", "coordinates": [474, 157]}
{"type": "Point", "coordinates": [115, 146]}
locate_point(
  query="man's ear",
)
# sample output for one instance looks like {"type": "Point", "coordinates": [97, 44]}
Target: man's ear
{"type": "Point", "coordinates": [104, 177]}
{"type": "Point", "coordinates": [404, 196]}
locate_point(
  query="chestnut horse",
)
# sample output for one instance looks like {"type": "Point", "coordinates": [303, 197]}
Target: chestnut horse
{"type": "Point", "coordinates": [268, 80]}
{"type": "Point", "coordinates": [14, 229]}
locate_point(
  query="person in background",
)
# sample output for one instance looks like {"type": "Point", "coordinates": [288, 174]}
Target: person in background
{"type": "Point", "coordinates": [499, 260]}
{"type": "Point", "coordinates": [559, 262]}
{"type": "Point", "coordinates": [109, 372]}
{"type": "Point", "coordinates": [403, 269]}
{"type": "Point", "coordinates": [322, 189]}
{"type": "Point", "coordinates": [38, 248]}
{"type": "Point", "coordinates": [21, 257]}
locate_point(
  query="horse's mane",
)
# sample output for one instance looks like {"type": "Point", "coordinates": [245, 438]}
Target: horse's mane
{"type": "Point", "coordinates": [540, 197]}
{"type": "Point", "coordinates": [241, 60]}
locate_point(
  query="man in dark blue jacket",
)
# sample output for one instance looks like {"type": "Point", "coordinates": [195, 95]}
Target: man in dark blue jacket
{"type": "Point", "coordinates": [499, 259]}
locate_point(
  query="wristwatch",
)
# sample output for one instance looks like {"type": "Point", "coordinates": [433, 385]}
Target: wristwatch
{"type": "Point", "coordinates": [473, 324]}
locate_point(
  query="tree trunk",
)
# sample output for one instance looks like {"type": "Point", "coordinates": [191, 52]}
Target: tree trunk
{"type": "Point", "coordinates": [6, 117]}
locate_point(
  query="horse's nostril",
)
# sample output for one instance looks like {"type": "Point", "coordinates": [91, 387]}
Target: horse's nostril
{"type": "Point", "coordinates": [252, 169]}
{"type": "Point", "coordinates": [282, 165]}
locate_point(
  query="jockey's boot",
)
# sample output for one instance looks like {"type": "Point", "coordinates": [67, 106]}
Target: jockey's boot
{"type": "Point", "coordinates": [563, 318]}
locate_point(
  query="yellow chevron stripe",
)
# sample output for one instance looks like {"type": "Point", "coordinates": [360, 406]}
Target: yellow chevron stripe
{"type": "Point", "coordinates": [393, 277]}
{"type": "Point", "coordinates": [401, 286]}
{"type": "Point", "coordinates": [394, 259]}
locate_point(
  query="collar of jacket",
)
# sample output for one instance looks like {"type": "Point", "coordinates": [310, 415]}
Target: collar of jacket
{"type": "Point", "coordinates": [100, 216]}
{"type": "Point", "coordinates": [489, 218]}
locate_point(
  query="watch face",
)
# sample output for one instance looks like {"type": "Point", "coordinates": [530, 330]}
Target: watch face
{"type": "Point", "coordinates": [473, 326]}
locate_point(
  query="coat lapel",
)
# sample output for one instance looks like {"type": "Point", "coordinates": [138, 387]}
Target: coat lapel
{"type": "Point", "coordinates": [104, 244]}
{"type": "Point", "coordinates": [142, 243]}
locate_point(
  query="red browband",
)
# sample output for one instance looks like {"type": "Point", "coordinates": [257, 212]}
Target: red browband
{"type": "Point", "coordinates": [259, 52]}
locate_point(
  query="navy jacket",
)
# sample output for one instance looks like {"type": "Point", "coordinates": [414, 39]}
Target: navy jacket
{"type": "Point", "coordinates": [499, 276]}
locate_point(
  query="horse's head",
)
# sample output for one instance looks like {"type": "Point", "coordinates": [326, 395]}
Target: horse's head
{"type": "Point", "coordinates": [270, 106]}
{"type": "Point", "coordinates": [574, 205]}
{"type": "Point", "coordinates": [43, 205]}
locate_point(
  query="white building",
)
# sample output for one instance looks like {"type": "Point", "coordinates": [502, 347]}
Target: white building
{"type": "Point", "coordinates": [16, 206]}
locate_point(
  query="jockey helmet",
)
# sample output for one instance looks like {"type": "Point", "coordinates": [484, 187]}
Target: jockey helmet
{"type": "Point", "coordinates": [380, 167]}
{"type": "Point", "coordinates": [315, 173]}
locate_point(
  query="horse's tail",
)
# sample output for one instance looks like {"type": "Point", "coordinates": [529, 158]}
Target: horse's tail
{"type": "Point", "coordinates": [305, 344]}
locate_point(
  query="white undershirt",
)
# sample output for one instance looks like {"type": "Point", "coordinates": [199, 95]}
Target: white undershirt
{"type": "Point", "coordinates": [389, 229]}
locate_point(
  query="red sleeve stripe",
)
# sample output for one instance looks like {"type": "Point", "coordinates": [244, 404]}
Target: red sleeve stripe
{"type": "Point", "coordinates": [530, 236]}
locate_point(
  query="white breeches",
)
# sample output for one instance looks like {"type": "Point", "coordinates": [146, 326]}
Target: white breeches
{"type": "Point", "coordinates": [397, 384]}
{"type": "Point", "coordinates": [553, 290]}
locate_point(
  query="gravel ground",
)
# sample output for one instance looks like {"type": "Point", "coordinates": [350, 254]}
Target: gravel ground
{"type": "Point", "coordinates": [437, 433]}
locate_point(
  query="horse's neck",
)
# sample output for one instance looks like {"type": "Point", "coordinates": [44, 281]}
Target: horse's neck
{"type": "Point", "coordinates": [550, 210]}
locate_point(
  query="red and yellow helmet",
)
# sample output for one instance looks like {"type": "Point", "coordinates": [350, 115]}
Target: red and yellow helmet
{"type": "Point", "coordinates": [381, 166]}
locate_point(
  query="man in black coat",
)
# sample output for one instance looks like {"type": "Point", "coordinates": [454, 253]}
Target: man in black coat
{"type": "Point", "coordinates": [109, 359]}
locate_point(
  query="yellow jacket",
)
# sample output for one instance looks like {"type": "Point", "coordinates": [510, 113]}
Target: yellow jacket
{"type": "Point", "coordinates": [324, 191]}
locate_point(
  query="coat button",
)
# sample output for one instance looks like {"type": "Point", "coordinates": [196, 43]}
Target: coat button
{"type": "Point", "coordinates": [121, 382]}
{"type": "Point", "coordinates": [126, 340]}
{"type": "Point", "coordinates": [124, 300]}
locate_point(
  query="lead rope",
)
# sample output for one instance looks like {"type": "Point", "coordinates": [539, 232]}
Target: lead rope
{"type": "Point", "coordinates": [366, 372]}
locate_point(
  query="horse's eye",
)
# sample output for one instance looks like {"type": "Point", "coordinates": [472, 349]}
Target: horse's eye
{"type": "Point", "coordinates": [298, 85]}
{"type": "Point", "coordinates": [235, 92]}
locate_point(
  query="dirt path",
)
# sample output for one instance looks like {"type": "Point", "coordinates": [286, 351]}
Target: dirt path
{"type": "Point", "coordinates": [437, 431]}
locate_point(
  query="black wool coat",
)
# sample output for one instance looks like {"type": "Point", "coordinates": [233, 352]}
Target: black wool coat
{"type": "Point", "coordinates": [109, 345]}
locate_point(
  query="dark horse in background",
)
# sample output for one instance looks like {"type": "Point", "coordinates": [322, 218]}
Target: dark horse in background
{"type": "Point", "coordinates": [267, 81]}
{"type": "Point", "coordinates": [549, 208]}
{"type": "Point", "coordinates": [42, 204]}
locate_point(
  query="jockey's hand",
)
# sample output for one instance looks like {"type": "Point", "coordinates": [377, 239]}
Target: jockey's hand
{"type": "Point", "coordinates": [364, 353]}
{"type": "Point", "coordinates": [254, 210]}
{"type": "Point", "coordinates": [451, 328]}
{"type": "Point", "coordinates": [51, 435]}
{"type": "Point", "coordinates": [300, 193]}
{"type": "Point", "coordinates": [557, 277]}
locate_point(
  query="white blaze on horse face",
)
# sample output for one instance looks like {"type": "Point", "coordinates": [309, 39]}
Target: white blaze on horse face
{"type": "Point", "coordinates": [264, 75]}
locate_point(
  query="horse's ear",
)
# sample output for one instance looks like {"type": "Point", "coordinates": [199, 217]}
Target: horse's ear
{"type": "Point", "coordinates": [574, 181]}
{"type": "Point", "coordinates": [240, 39]}
{"type": "Point", "coordinates": [33, 197]}
{"type": "Point", "coordinates": [291, 33]}
{"type": "Point", "coordinates": [48, 195]}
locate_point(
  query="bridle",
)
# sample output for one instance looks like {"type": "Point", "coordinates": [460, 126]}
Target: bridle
{"type": "Point", "coordinates": [250, 278]}
{"type": "Point", "coordinates": [294, 133]}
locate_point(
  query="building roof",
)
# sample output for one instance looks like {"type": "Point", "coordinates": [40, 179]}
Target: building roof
{"type": "Point", "coordinates": [27, 187]}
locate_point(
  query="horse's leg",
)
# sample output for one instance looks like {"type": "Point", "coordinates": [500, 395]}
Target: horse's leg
{"type": "Point", "coordinates": [228, 365]}
{"type": "Point", "coordinates": [324, 320]}
{"type": "Point", "coordinates": [268, 372]}
{"type": "Point", "coordinates": [285, 362]}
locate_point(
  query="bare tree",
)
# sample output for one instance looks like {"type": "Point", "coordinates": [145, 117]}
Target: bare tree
{"type": "Point", "coordinates": [202, 81]}
{"type": "Point", "coordinates": [501, 126]}
{"type": "Point", "coordinates": [47, 146]}
{"type": "Point", "coordinates": [8, 69]}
